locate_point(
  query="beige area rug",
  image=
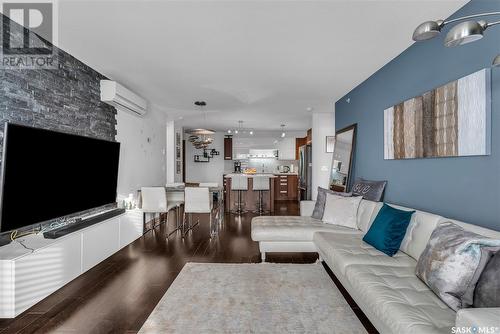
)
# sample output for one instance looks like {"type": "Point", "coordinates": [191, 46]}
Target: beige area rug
{"type": "Point", "coordinates": [252, 298]}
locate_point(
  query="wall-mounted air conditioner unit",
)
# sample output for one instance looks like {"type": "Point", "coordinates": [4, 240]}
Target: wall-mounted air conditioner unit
{"type": "Point", "coordinates": [122, 98]}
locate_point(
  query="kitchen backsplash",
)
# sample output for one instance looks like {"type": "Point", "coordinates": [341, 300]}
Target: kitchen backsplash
{"type": "Point", "coordinates": [265, 165]}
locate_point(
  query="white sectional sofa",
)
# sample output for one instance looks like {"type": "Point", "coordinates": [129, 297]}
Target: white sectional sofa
{"type": "Point", "coordinates": [385, 288]}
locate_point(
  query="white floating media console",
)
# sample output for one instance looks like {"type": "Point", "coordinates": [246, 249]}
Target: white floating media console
{"type": "Point", "coordinates": [27, 276]}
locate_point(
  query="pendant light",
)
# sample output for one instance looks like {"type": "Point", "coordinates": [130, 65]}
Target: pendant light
{"type": "Point", "coordinates": [240, 130]}
{"type": "Point", "coordinates": [201, 137]}
{"type": "Point", "coordinates": [283, 134]}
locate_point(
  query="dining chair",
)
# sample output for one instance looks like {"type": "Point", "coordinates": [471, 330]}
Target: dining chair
{"type": "Point", "coordinates": [154, 200]}
{"type": "Point", "coordinates": [175, 198]}
{"type": "Point", "coordinates": [197, 200]}
{"type": "Point", "coordinates": [215, 195]}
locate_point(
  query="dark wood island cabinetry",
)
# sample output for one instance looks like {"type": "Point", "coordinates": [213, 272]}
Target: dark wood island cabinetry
{"type": "Point", "coordinates": [249, 198]}
{"type": "Point", "coordinates": [282, 187]}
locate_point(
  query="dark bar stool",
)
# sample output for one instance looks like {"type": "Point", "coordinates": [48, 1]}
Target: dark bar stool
{"type": "Point", "coordinates": [260, 184]}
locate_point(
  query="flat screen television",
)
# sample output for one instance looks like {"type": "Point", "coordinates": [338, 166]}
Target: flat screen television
{"type": "Point", "coordinates": [48, 174]}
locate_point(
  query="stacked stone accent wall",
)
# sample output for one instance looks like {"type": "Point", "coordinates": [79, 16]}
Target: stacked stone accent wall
{"type": "Point", "coordinates": [65, 99]}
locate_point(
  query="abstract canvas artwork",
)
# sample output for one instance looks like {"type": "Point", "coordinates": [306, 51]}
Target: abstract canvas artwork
{"type": "Point", "coordinates": [449, 121]}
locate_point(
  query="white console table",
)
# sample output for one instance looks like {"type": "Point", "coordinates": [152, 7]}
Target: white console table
{"type": "Point", "coordinates": [27, 276]}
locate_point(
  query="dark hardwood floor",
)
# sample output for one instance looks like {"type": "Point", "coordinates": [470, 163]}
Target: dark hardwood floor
{"type": "Point", "coordinates": [118, 295]}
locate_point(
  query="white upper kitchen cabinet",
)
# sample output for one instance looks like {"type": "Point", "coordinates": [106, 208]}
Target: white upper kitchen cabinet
{"type": "Point", "coordinates": [286, 148]}
{"type": "Point", "coordinates": [240, 153]}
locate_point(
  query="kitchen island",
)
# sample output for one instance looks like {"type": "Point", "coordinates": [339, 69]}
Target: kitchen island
{"type": "Point", "coordinates": [282, 186]}
{"type": "Point", "coordinates": [249, 198]}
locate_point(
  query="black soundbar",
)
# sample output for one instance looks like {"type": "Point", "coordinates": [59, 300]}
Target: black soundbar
{"type": "Point", "coordinates": [65, 230]}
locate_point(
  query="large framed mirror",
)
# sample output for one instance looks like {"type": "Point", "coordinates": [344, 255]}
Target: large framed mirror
{"type": "Point", "coordinates": [342, 160]}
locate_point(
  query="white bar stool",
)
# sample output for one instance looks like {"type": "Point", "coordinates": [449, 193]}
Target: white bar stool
{"type": "Point", "coordinates": [239, 183]}
{"type": "Point", "coordinates": [260, 184]}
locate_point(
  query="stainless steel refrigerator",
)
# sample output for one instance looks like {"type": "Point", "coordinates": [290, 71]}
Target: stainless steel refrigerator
{"type": "Point", "coordinates": [305, 172]}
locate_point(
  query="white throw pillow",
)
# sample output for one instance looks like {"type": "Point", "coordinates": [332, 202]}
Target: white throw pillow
{"type": "Point", "coordinates": [341, 210]}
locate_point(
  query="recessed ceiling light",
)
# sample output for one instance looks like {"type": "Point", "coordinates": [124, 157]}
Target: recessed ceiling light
{"type": "Point", "coordinates": [251, 133]}
{"type": "Point", "coordinates": [180, 117]}
{"type": "Point", "coordinates": [309, 109]}
{"type": "Point", "coordinates": [229, 131]}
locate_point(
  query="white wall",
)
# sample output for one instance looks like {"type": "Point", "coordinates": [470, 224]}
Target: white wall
{"type": "Point", "coordinates": [323, 124]}
{"type": "Point", "coordinates": [268, 165]}
{"type": "Point", "coordinates": [213, 171]}
{"type": "Point", "coordinates": [205, 171]}
{"type": "Point", "coordinates": [142, 151]}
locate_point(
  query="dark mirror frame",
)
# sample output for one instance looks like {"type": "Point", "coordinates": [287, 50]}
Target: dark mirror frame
{"type": "Point", "coordinates": [353, 127]}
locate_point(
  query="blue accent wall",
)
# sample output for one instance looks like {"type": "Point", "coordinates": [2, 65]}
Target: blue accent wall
{"type": "Point", "coordinates": [463, 188]}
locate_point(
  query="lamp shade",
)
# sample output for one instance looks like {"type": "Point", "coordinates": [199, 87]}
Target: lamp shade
{"type": "Point", "coordinates": [427, 30]}
{"type": "Point", "coordinates": [200, 131]}
{"type": "Point", "coordinates": [464, 33]}
{"type": "Point", "coordinates": [496, 61]}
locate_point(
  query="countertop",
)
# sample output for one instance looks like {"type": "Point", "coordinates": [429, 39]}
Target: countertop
{"type": "Point", "coordinates": [271, 175]}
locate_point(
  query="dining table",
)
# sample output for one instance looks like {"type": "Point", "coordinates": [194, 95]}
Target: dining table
{"type": "Point", "coordinates": [217, 193]}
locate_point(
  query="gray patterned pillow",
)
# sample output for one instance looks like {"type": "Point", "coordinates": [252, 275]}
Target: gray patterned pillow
{"type": "Point", "coordinates": [319, 208]}
{"type": "Point", "coordinates": [487, 293]}
{"type": "Point", "coordinates": [370, 190]}
{"type": "Point", "coordinates": [452, 262]}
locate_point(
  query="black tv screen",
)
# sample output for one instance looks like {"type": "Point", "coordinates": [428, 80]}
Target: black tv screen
{"type": "Point", "coordinates": [48, 174]}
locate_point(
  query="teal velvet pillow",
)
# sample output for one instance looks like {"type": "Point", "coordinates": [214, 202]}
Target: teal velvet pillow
{"type": "Point", "coordinates": [388, 229]}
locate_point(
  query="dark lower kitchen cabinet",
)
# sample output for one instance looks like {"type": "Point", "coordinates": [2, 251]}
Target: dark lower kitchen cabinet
{"type": "Point", "coordinates": [286, 187]}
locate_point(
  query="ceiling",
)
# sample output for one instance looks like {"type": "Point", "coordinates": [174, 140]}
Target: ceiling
{"type": "Point", "coordinates": [263, 62]}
